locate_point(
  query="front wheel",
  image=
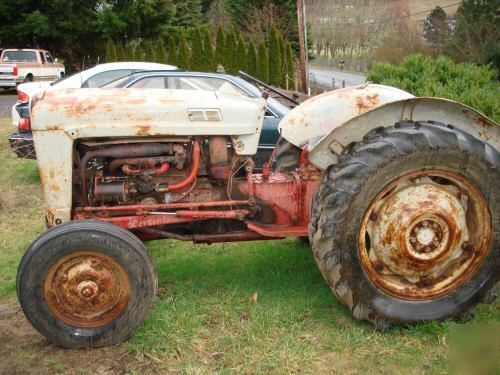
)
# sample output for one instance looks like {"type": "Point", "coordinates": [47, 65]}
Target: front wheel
{"type": "Point", "coordinates": [86, 284]}
{"type": "Point", "coordinates": [405, 227]}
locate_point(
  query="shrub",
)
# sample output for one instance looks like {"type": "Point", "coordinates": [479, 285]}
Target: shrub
{"type": "Point", "coordinates": [441, 77]}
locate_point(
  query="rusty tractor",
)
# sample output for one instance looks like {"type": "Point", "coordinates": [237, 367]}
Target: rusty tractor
{"type": "Point", "coordinates": [398, 196]}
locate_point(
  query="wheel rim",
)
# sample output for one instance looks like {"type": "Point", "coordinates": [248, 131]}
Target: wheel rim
{"type": "Point", "coordinates": [87, 289]}
{"type": "Point", "coordinates": [425, 234]}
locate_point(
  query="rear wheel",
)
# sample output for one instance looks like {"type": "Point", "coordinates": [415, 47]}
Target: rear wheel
{"type": "Point", "coordinates": [405, 226]}
{"type": "Point", "coordinates": [86, 284]}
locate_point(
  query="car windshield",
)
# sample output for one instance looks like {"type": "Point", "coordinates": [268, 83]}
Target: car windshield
{"type": "Point", "coordinates": [19, 56]}
{"type": "Point", "coordinates": [275, 104]}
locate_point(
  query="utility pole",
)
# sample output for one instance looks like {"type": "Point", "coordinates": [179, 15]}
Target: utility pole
{"type": "Point", "coordinates": [303, 47]}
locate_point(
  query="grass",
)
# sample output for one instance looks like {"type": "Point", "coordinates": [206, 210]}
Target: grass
{"type": "Point", "coordinates": [203, 321]}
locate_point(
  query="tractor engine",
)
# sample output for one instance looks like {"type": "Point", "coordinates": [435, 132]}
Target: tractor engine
{"type": "Point", "coordinates": [162, 171]}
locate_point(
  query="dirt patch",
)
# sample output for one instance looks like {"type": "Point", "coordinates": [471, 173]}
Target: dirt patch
{"type": "Point", "coordinates": [24, 351]}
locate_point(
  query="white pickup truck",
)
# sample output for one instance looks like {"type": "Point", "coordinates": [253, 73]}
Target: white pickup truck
{"type": "Point", "coordinates": [27, 65]}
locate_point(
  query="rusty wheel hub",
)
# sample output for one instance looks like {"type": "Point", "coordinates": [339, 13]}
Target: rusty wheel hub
{"type": "Point", "coordinates": [425, 234]}
{"type": "Point", "coordinates": [87, 289]}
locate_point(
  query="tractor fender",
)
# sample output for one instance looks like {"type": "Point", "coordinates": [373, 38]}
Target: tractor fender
{"type": "Point", "coordinates": [325, 150]}
{"type": "Point", "coordinates": [321, 114]}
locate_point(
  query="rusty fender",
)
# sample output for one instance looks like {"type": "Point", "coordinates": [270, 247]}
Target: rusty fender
{"type": "Point", "coordinates": [325, 151]}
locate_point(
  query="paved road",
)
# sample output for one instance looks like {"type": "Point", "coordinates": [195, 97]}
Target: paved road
{"type": "Point", "coordinates": [324, 77]}
{"type": "Point", "coordinates": [7, 100]}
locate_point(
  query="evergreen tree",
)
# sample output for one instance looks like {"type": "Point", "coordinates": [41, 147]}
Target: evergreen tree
{"type": "Point", "coordinates": [231, 52]}
{"type": "Point", "coordinates": [110, 51]}
{"type": "Point", "coordinates": [139, 53]}
{"type": "Point", "coordinates": [197, 55]}
{"type": "Point", "coordinates": [187, 12]}
{"type": "Point", "coordinates": [183, 59]}
{"type": "Point", "coordinates": [129, 52]}
{"type": "Point", "coordinates": [149, 51]}
{"type": "Point", "coordinates": [263, 63]}
{"type": "Point", "coordinates": [251, 59]}
{"type": "Point", "coordinates": [290, 65]}
{"type": "Point", "coordinates": [241, 55]}
{"type": "Point", "coordinates": [220, 47]}
{"type": "Point", "coordinates": [161, 52]}
{"type": "Point", "coordinates": [172, 57]}
{"type": "Point", "coordinates": [284, 61]}
{"type": "Point", "coordinates": [208, 51]}
{"type": "Point", "coordinates": [274, 57]}
{"type": "Point", "coordinates": [476, 34]}
{"type": "Point", "coordinates": [436, 28]}
{"type": "Point", "coordinates": [120, 52]}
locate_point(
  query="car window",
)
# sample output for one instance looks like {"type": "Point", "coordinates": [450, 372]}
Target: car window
{"type": "Point", "coordinates": [149, 83]}
{"type": "Point", "coordinates": [201, 83]}
{"type": "Point", "coordinates": [19, 56]}
{"type": "Point", "coordinates": [100, 79]}
{"type": "Point", "coordinates": [42, 57]}
{"type": "Point", "coordinates": [49, 58]}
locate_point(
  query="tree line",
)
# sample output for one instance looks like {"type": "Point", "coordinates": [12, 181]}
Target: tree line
{"type": "Point", "coordinates": [77, 31]}
{"type": "Point", "coordinates": [271, 60]}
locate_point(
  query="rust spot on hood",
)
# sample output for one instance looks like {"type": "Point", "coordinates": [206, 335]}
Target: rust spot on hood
{"type": "Point", "coordinates": [144, 130]}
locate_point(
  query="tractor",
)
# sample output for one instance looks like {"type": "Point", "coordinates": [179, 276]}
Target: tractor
{"type": "Point", "coordinates": [397, 195]}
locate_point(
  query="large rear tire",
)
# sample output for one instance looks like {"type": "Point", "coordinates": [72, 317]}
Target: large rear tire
{"type": "Point", "coordinates": [406, 226]}
{"type": "Point", "coordinates": [86, 284]}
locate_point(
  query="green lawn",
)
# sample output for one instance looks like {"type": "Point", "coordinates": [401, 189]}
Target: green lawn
{"type": "Point", "coordinates": [203, 321]}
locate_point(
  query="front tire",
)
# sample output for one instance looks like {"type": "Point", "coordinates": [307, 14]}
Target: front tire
{"type": "Point", "coordinates": [405, 227]}
{"type": "Point", "coordinates": [86, 284]}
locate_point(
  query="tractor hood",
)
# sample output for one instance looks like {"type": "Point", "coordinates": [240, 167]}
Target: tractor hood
{"type": "Point", "coordinates": [321, 114]}
{"type": "Point", "coordinates": [115, 112]}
